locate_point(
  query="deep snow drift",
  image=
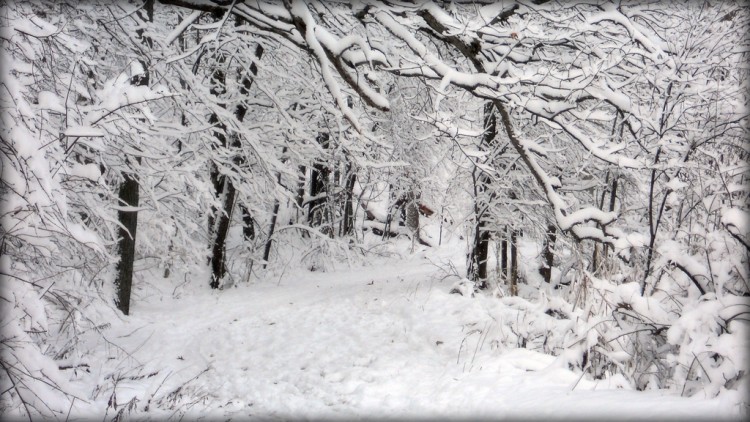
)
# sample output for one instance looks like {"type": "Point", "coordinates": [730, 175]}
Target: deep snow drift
{"type": "Point", "coordinates": [385, 340]}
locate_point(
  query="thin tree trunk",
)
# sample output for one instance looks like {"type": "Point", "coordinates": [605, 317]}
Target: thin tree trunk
{"type": "Point", "coordinates": [218, 253]}
{"type": "Point", "coordinates": [479, 255]}
{"type": "Point", "coordinates": [514, 263]}
{"type": "Point", "coordinates": [474, 255]}
{"type": "Point", "coordinates": [128, 196]}
{"type": "Point", "coordinates": [653, 227]}
{"type": "Point", "coordinates": [595, 254]}
{"type": "Point", "coordinates": [411, 212]}
{"type": "Point", "coordinates": [548, 254]}
{"type": "Point", "coordinates": [170, 249]}
{"type": "Point", "coordinates": [612, 202]}
{"type": "Point", "coordinates": [267, 249]}
{"type": "Point", "coordinates": [300, 199]}
{"type": "Point", "coordinates": [317, 215]}
{"type": "Point", "coordinates": [274, 216]}
{"type": "Point", "coordinates": [347, 224]}
{"type": "Point", "coordinates": [389, 214]}
{"type": "Point", "coordinates": [246, 82]}
{"type": "Point", "coordinates": [301, 188]}
{"type": "Point", "coordinates": [442, 219]}
{"type": "Point", "coordinates": [217, 180]}
{"type": "Point", "coordinates": [218, 220]}
{"type": "Point", "coordinates": [248, 223]}
{"type": "Point", "coordinates": [504, 255]}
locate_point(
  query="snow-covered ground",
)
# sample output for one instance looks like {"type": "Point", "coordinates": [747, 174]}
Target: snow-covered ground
{"type": "Point", "coordinates": [385, 340]}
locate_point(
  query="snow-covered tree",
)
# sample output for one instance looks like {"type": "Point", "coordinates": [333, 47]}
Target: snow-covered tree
{"type": "Point", "coordinates": [233, 132]}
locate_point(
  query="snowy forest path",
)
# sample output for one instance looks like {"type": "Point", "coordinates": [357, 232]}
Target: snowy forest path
{"type": "Point", "coordinates": [352, 343]}
{"type": "Point", "coordinates": [283, 339]}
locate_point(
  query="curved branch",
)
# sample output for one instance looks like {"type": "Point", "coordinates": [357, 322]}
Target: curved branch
{"type": "Point", "coordinates": [690, 275]}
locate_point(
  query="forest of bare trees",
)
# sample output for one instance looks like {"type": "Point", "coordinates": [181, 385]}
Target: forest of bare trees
{"type": "Point", "coordinates": [611, 135]}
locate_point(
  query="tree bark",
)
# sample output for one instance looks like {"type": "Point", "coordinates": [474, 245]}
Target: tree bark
{"type": "Point", "coordinates": [548, 254]}
{"type": "Point", "coordinates": [317, 213]}
{"type": "Point", "coordinates": [128, 196]}
{"type": "Point", "coordinates": [595, 253]}
{"type": "Point", "coordinates": [218, 252]}
{"type": "Point", "coordinates": [272, 228]}
{"type": "Point", "coordinates": [218, 221]}
{"type": "Point", "coordinates": [480, 252]}
{"type": "Point", "coordinates": [269, 241]}
{"type": "Point", "coordinates": [248, 223]}
{"type": "Point", "coordinates": [612, 201]}
{"type": "Point", "coordinates": [478, 261]}
{"type": "Point", "coordinates": [347, 223]}
{"type": "Point", "coordinates": [514, 263]}
{"type": "Point", "coordinates": [411, 217]}
{"type": "Point", "coordinates": [246, 82]}
{"type": "Point", "coordinates": [504, 255]}
{"type": "Point", "coordinates": [226, 192]}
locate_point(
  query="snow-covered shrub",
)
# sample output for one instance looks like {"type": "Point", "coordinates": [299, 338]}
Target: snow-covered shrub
{"type": "Point", "coordinates": [33, 216]}
{"type": "Point", "coordinates": [54, 258]}
{"type": "Point", "coordinates": [671, 339]}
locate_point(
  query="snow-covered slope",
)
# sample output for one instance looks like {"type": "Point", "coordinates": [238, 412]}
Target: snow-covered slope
{"type": "Point", "coordinates": [386, 340]}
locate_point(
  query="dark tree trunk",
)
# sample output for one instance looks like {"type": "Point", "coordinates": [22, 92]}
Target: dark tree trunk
{"type": "Point", "coordinates": [218, 251]}
{"type": "Point", "coordinates": [479, 253]}
{"type": "Point", "coordinates": [319, 187]}
{"type": "Point", "coordinates": [504, 255]}
{"type": "Point", "coordinates": [218, 220]}
{"type": "Point", "coordinates": [347, 223]}
{"type": "Point", "coordinates": [248, 223]}
{"type": "Point", "coordinates": [389, 215]}
{"type": "Point", "coordinates": [653, 224]}
{"type": "Point", "coordinates": [300, 199]}
{"type": "Point", "coordinates": [170, 249]}
{"type": "Point", "coordinates": [146, 14]}
{"type": "Point", "coordinates": [595, 254]}
{"type": "Point", "coordinates": [548, 254]}
{"type": "Point", "coordinates": [483, 249]}
{"type": "Point", "coordinates": [274, 217]}
{"type": "Point", "coordinates": [128, 195]}
{"type": "Point", "coordinates": [246, 82]}
{"type": "Point", "coordinates": [598, 260]}
{"type": "Point", "coordinates": [217, 180]}
{"type": "Point", "coordinates": [301, 188]}
{"type": "Point", "coordinates": [267, 249]}
{"type": "Point", "coordinates": [478, 261]}
{"type": "Point", "coordinates": [612, 203]}
{"type": "Point", "coordinates": [514, 263]}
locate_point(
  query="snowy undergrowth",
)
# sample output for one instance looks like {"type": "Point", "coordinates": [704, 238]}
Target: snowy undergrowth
{"type": "Point", "coordinates": [384, 339]}
{"type": "Point", "coordinates": [672, 338]}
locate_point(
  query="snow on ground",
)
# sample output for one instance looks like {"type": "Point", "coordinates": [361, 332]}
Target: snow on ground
{"type": "Point", "coordinates": [386, 340]}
